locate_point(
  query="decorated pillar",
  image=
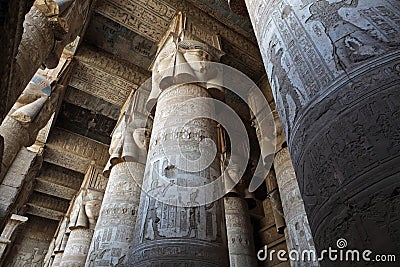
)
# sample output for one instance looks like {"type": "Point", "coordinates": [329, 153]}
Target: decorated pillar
{"type": "Point", "coordinates": [299, 236]}
{"type": "Point", "coordinates": [83, 218]}
{"type": "Point", "coordinates": [275, 202]}
{"type": "Point", "coordinates": [179, 223]}
{"type": "Point", "coordinates": [334, 71]}
{"type": "Point", "coordinates": [239, 232]}
{"type": "Point", "coordinates": [239, 229]}
{"type": "Point", "coordinates": [114, 232]}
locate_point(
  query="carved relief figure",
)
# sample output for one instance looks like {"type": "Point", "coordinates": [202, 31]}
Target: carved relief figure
{"type": "Point", "coordinates": [194, 216]}
{"type": "Point", "coordinates": [151, 231]}
{"type": "Point", "coordinates": [351, 44]}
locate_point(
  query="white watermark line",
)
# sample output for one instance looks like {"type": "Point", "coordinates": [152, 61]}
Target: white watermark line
{"type": "Point", "coordinates": [340, 254]}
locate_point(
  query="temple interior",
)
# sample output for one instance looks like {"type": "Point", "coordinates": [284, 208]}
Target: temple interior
{"type": "Point", "coordinates": [199, 133]}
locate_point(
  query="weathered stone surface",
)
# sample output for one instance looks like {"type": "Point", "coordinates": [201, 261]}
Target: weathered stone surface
{"type": "Point", "coordinates": [16, 186]}
{"type": "Point", "coordinates": [31, 244]}
{"type": "Point", "coordinates": [114, 232]}
{"type": "Point", "coordinates": [333, 67]}
{"type": "Point", "coordinates": [73, 151]}
{"type": "Point", "coordinates": [195, 235]}
{"type": "Point", "coordinates": [8, 232]}
{"type": "Point", "coordinates": [15, 135]}
{"type": "Point", "coordinates": [91, 102]}
{"type": "Point", "coordinates": [298, 229]}
{"type": "Point", "coordinates": [46, 206]}
{"type": "Point", "coordinates": [239, 233]}
{"type": "Point", "coordinates": [11, 25]}
{"type": "Point", "coordinates": [45, 35]}
{"type": "Point", "coordinates": [77, 248]}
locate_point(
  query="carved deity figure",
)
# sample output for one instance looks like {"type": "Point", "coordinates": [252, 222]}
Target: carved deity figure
{"type": "Point", "coordinates": [351, 44]}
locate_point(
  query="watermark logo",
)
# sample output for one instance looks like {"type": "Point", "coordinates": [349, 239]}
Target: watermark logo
{"type": "Point", "coordinates": [341, 254]}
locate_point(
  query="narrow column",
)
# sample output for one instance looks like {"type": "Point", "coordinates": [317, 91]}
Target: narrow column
{"type": "Point", "coordinates": [298, 229]}
{"type": "Point", "coordinates": [239, 233]}
{"type": "Point", "coordinates": [175, 225]}
{"type": "Point", "coordinates": [59, 251]}
{"type": "Point", "coordinates": [276, 203]}
{"type": "Point", "coordinates": [79, 240]}
{"type": "Point", "coordinates": [114, 232]}
{"type": "Point", "coordinates": [339, 114]}
{"type": "Point", "coordinates": [84, 215]}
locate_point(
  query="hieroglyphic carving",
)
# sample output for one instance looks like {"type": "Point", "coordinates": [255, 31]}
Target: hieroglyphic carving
{"type": "Point", "coordinates": [61, 176]}
{"type": "Point", "coordinates": [52, 189]}
{"type": "Point", "coordinates": [351, 43]}
{"type": "Point", "coordinates": [341, 135]}
{"type": "Point", "coordinates": [75, 252]}
{"type": "Point", "coordinates": [81, 146]}
{"type": "Point", "coordinates": [298, 228]}
{"type": "Point", "coordinates": [239, 233]}
{"type": "Point", "coordinates": [46, 201]}
{"type": "Point", "coordinates": [120, 41]}
{"type": "Point", "coordinates": [112, 65]}
{"type": "Point", "coordinates": [100, 83]}
{"type": "Point", "coordinates": [159, 223]}
{"type": "Point", "coordinates": [148, 18]}
{"type": "Point", "coordinates": [31, 244]}
{"type": "Point", "coordinates": [114, 231]}
{"type": "Point", "coordinates": [91, 102]}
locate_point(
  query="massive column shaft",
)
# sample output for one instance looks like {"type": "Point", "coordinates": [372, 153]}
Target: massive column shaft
{"type": "Point", "coordinates": [298, 229]}
{"type": "Point", "coordinates": [170, 234]}
{"type": "Point", "coordinates": [334, 71]}
{"type": "Point", "coordinates": [176, 224]}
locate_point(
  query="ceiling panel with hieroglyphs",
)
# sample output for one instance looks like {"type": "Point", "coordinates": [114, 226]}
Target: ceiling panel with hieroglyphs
{"type": "Point", "coordinates": [120, 41]}
{"type": "Point", "coordinates": [98, 82]}
{"type": "Point", "coordinates": [149, 18]}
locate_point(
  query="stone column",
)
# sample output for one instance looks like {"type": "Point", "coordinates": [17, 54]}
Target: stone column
{"type": "Point", "coordinates": [29, 114]}
{"type": "Point", "coordinates": [276, 203]}
{"type": "Point", "coordinates": [239, 233]}
{"type": "Point", "coordinates": [8, 231]}
{"type": "Point", "coordinates": [83, 218]}
{"type": "Point", "coordinates": [334, 71]}
{"type": "Point", "coordinates": [59, 252]}
{"type": "Point", "coordinates": [114, 232]}
{"type": "Point", "coordinates": [79, 240]}
{"type": "Point", "coordinates": [174, 226]}
{"type": "Point", "coordinates": [77, 248]}
{"type": "Point", "coordinates": [298, 229]}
